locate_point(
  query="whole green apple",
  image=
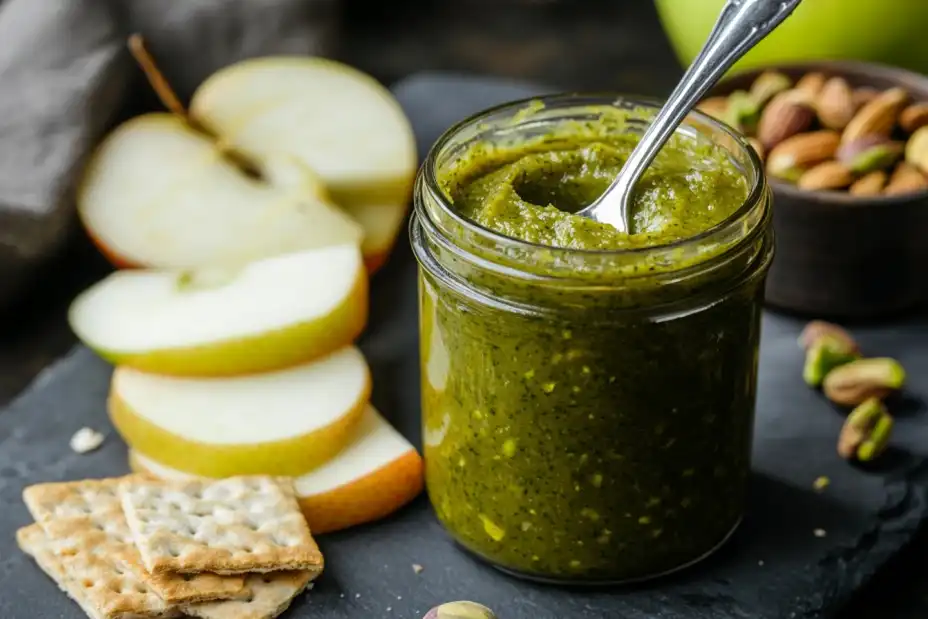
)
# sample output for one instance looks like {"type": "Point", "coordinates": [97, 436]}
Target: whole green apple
{"type": "Point", "coordinates": [891, 32]}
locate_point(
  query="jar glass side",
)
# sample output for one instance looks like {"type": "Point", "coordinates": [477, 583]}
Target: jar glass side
{"type": "Point", "coordinates": [577, 430]}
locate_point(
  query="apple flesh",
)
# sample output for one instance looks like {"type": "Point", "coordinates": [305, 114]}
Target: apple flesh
{"type": "Point", "coordinates": [378, 472]}
{"type": "Point", "coordinates": [382, 224]}
{"type": "Point", "coordinates": [269, 314]}
{"type": "Point", "coordinates": [338, 121]}
{"type": "Point", "coordinates": [275, 423]}
{"type": "Point", "coordinates": [158, 193]}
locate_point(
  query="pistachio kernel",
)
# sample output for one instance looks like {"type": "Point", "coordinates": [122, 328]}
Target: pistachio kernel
{"type": "Point", "coordinates": [460, 610]}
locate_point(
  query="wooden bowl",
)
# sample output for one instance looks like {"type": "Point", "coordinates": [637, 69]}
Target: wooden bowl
{"type": "Point", "coordinates": [840, 256]}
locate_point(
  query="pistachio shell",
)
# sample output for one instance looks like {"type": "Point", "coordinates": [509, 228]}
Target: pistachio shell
{"type": "Point", "coordinates": [460, 610]}
{"type": "Point", "coordinates": [767, 85]}
{"type": "Point", "coordinates": [869, 184]}
{"type": "Point", "coordinates": [916, 150]}
{"type": "Point", "coordinates": [825, 355]}
{"type": "Point", "coordinates": [866, 432]}
{"type": "Point", "coordinates": [914, 117]}
{"type": "Point", "coordinates": [743, 112]}
{"type": "Point", "coordinates": [826, 175]}
{"type": "Point", "coordinates": [817, 329]}
{"type": "Point", "coordinates": [855, 382]}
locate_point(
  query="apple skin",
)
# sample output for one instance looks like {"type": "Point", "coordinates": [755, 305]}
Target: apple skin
{"type": "Point", "coordinates": [275, 350]}
{"type": "Point", "coordinates": [884, 31]}
{"type": "Point", "coordinates": [291, 457]}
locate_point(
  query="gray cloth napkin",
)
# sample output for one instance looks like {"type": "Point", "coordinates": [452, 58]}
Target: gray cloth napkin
{"type": "Point", "coordinates": [66, 77]}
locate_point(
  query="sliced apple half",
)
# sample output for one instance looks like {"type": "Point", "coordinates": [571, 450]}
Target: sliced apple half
{"type": "Point", "coordinates": [374, 475]}
{"type": "Point", "coordinates": [269, 314]}
{"type": "Point", "coordinates": [337, 120]}
{"type": "Point", "coordinates": [159, 193]}
{"type": "Point", "coordinates": [276, 423]}
{"type": "Point", "coordinates": [382, 224]}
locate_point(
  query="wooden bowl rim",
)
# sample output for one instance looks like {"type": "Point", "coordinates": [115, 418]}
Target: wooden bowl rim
{"type": "Point", "coordinates": [860, 69]}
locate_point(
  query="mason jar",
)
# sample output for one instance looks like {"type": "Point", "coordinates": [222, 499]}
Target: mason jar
{"type": "Point", "coordinates": [587, 414]}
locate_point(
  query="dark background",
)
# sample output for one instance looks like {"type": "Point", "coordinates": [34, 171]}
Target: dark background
{"type": "Point", "coordinates": [569, 44]}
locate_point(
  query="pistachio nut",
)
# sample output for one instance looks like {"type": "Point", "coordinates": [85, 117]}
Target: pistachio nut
{"type": "Point", "coordinates": [825, 355]}
{"type": "Point", "coordinates": [818, 329]}
{"type": "Point", "coordinates": [835, 104]}
{"type": "Point", "coordinates": [826, 175]}
{"type": "Point", "coordinates": [871, 184]}
{"type": "Point", "coordinates": [767, 85]}
{"type": "Point", "coordinates": [914, 117]}
{"type": "Point", "coordinates": [802, 151]}
{"type": "Point", "coordinates": [870, 153]}
{"type": "Point", "coordinates": [916, 150]}
{"type": "Point", "coordinates": [878, 117]}
{"type": "Point", "coordinates": [854, 382]}
{"type": "Point", "coordinates": [866, 432]}
{"type": "Point", "coordinates": [863, 96]}
{"type": "Point", "coordinates": [743, 112]}
{"type": "Point", "coordinates": [716, 107]}
{"type": "Point", "coordinates": [758, 147]}
{"type": "Point", "coordinates": [906, 178]}
{"type": "Point", "coordinates": [460, 610]}
{"type": "Point", "coordinates": [811, 83]}
{"type": "Point", "coordinates": [787, 114]}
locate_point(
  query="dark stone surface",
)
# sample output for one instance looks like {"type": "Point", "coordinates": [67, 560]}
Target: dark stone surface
{"type": "Point", "coordinates": [774, 567]}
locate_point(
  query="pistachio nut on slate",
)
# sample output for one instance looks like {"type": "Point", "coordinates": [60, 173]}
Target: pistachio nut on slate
{"type": "Point", "coordinates": [460, 610]}
{"type": "Point", "coordinates": [866, 432]}
{"type": "Point", "coordinates": [855, 382]}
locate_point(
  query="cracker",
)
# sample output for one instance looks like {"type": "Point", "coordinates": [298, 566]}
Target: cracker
{"type": "Point", "coordinates": [227, 526]}
{"type": "Point", "coordinates": [271, 595]}
{"type": "Point", "coordinates": [32, 541]}
{"type": "Point", "coordinates": [74, 513]}
{"type": "Point", "coordinates": [98, 581]}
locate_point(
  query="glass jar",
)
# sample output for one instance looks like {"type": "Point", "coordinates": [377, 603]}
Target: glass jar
{"type": "Point", "coordinates": [587, 415]}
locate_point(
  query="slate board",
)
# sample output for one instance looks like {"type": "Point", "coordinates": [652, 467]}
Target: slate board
{"type": "Point", "coordinates": [774, 567]}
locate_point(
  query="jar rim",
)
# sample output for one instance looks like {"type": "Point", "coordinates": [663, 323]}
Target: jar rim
{"type": "Point", "coordinates": [754, 173]}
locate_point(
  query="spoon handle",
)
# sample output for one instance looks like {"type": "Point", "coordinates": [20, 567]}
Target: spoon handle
{"type": "Point", "coordinates": [739, 27]}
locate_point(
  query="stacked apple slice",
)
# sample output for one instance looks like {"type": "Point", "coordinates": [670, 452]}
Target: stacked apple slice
{"type": "Point", "coordinates": [255, 220]}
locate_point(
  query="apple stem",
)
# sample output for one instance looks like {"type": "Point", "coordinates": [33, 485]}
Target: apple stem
{"type": "Point", "coordinates": [157, 80]}
{"type": "Point", "coordinates": [170, 100]}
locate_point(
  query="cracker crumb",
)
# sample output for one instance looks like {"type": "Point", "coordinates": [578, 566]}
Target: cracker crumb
{"type": "Point", "coordinates": [417, 568]}
{"type": "Point", "coordinates": [357, 595]}
{"type": "Point", "coordinates": [399, 597]}
{"type": "Point", "coordinates": [85, 440]}
{"type": "Point", "coordinates": [761, 563]}
{"type": "Point", "coordinates": [389, 609]}
{"type": "Point", "coordinates": [341, 595]}
{"type": "Point", "coordinates": [819, 533]}
{"type": "Point", "coordinates": [821, 483]}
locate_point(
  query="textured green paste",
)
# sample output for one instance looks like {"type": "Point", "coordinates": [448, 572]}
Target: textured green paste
{"type": "Point", "coordinates": [592, 438]}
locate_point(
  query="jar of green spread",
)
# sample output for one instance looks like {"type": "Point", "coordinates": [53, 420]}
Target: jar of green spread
{"type": "Point", "coordinates": [588, 395]}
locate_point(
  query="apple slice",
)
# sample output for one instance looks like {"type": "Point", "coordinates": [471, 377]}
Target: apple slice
{"type": "Point", "coordinates": [276, 423]}
{"type": "Point", "coordinates": [377, 473]}
{"type": "Point", "coordinates": [337, 120]}
{"type": "Point", "coordinates": [382, 224]}
{"type": "Point", "coordinates": [269, 314]}
{"type": "Point", "coordinates": [158, 193]}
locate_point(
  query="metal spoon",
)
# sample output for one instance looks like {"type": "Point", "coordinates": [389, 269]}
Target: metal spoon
{"type": "Point", "coordinates": [740, 26]}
